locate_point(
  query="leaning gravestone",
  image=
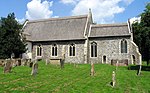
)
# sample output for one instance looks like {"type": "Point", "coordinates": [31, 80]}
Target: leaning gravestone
{"type": "Point", "coordinates": [92, 70]}
{"type": "Point", "coordinates": [8, 66]}
{"type": "Point", "coordinates": [34, 69]}
{"type": "Point", "coordinates": [113, 79]}
{"type": "Point", "coordinates": [139, 69]}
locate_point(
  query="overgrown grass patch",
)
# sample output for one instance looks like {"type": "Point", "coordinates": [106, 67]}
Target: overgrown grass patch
{"type": "Point", "coordinates": [70, 79]}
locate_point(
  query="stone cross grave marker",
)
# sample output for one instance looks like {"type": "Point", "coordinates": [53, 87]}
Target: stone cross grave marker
{"type": "Point", "coordinates": [92, 69]}
{"type": "Point", "coordinates": [8, 66]}
{"type": "Point", "coordinates": [34, 69]}
{"type": "Point", "coordinates": [113, 78]}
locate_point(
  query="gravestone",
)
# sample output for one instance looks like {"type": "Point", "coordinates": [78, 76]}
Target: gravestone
{"type": "Point", "coordinates": [30, 64]}
{"type": "Point", "coordinates": [2, 62]}
{"type": "Point", "coordinates": [75, 64]}
{"type": "Point", "coordinates": [139, 69]}
{"type": "Point", "coordinates": [34, 69]}
{"type": "Point", "coordinates": [19, 62]}
{"type": "Point", "coordinates": [62, 60]}
{"type": "Point", "coordinates": [113, 79]}
{"type": "Point", "coordinates": [47, 62]}
{"type": "Point", "coordinates": [117, 65]}
{"type": "Point", "coordinates": [14, 63]}
{"type": "Point", "coordinates": [8, 66]}
{"type": "Point", "coordinates": [24, 62]}
{"type": "Point", "coordinates": [92, 69]}
{"type": "Point", "coordinates": [62, 63]}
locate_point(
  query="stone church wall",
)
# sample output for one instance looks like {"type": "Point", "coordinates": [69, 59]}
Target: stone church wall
{"type": "Point", "coordinates": [47, 50]}
{"type": "Point", "coordinates": [110, 48]}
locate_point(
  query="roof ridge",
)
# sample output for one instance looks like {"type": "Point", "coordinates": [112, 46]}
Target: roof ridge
{"type": "Point", "coordinates": [60, 18]}
{"type": "Point", "coordinates": [110, 25]}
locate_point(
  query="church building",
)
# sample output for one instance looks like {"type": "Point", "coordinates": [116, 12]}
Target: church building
{"type": "Point", "coordinates": [77, 39]}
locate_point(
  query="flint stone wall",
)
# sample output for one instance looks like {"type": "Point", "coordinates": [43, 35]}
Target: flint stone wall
{"type": "Point", "coordinates": [111, 48]}
{"type": "Point", "coordinates": [47, 50]}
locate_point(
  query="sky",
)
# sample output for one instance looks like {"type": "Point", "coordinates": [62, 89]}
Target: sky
{"type": "Point", "coordinates": [103, 11]}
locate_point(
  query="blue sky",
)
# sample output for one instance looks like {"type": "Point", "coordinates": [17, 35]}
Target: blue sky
{"type": "Point", "coordinates": [104, 11]}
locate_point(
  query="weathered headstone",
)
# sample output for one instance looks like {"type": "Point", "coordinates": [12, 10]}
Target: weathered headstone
{"type": "Point", "coordinates": [92, 69]}
{"type": "Point", "coordinates": [24, 62]}
{"type": "Point", "coordinates": [117, 65]}
{"type": "Point", "coordinates": [63, 57]}
{"type": "Point", "coordinates": [34, 69]}
{"type": "Point", "coordinates": [30, 64]}
{"type": "Point", "coordinates": [113, 78]}
{"type": "Point", "coordinates": [139, 69]}
{"type": "Point", "coordinates": [75, 64]}
{"type": "Point", "coordinates": [8, 66]}
{"type": "Point", "coordinates": [47, 62]}
{"type": "Point", "coordinates": [62, 63]}
{"type": "Point", "coordinates": [2, 62]}
{"type": "Point", "coordinates": [14, 63]}
{"type": "Point", "coordinates": [19, 62]}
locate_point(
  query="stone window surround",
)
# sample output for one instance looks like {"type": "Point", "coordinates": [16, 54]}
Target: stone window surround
{"type": "Point", "coordinates": [39, 46]}
{"type": "Point", "coordinates": [70, 45]}
{"type": "Point", "coordinates": [52, 49]}
{"type": "Point", "coordinates": [121, 46]}
{"type": "Point", "coordinates": [91, 50]}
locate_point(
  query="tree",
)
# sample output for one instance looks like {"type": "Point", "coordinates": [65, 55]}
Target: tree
{"type": "Point", "coordinates": [10, 37]}
{"type": "Point", "coordinates": [141, 32]}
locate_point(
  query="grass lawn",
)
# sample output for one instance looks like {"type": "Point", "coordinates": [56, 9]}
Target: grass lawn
{"type": "Point", "coordinates": [51, 78]}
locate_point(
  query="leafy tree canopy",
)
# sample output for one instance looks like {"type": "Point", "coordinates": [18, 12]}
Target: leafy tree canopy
{"type": "Point", "coordinates": [141, 33]}
{"type": "Point", "coordinates": [10, 37]}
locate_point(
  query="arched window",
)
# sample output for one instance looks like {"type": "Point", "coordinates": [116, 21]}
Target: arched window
{"type": "Point", "coordinates": [72, 50]}
{"type": "Point", "coordinates": [39, 50]}
{"type": "Point", "coordinates": [54, 50]}
{"type": "Point", "coordinates": [123, 46]}
{"type": "Point", "coordinates": [93, 49]}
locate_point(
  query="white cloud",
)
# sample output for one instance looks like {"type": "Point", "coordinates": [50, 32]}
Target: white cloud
{"type": "Point", "coordinates": [38, 9]}
{"type": "Point", "coordinates": [135, 19]}
{"type": "Point", "coordinates": [68, 1]}
{"type": "Point", "coordinates": [103, 10]}
{"type": "Point", "coordinates": [55, 16]}
{"type": "Point", "coordinates": [21, 21]}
